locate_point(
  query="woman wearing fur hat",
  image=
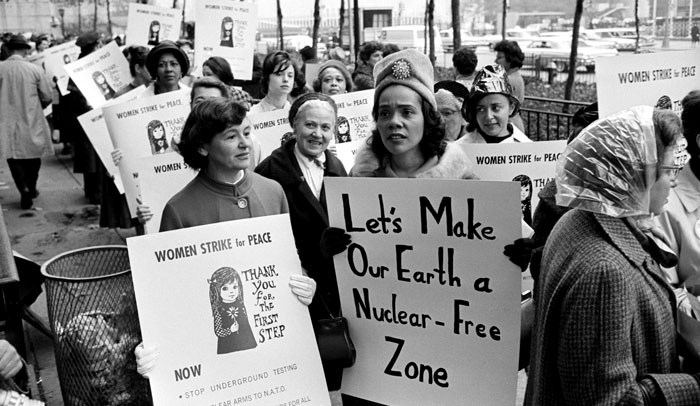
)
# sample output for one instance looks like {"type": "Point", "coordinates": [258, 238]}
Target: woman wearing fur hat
{"type": "Point", "coordinates": [409, 139]}
{"type": "Point", "coordinates": [490, 107]}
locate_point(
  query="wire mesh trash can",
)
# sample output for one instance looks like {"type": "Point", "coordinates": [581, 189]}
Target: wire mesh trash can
{"type": "Point", "coordinates": [92, 311]}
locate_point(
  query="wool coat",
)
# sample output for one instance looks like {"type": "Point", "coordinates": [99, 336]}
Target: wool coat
{"type": "Point", "coordinates": [604, 329]}
{"type": "Point", "coordinates": [309, 215]}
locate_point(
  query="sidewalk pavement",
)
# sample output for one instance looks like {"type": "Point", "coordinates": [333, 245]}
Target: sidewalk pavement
{"type": "Point", "coordinates": [61, 220]}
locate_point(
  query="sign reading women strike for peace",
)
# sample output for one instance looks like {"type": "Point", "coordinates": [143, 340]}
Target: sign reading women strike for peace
{"type": "Point", "coordinates": [160, 178]}
{"type": "Point", "coordinates": [95, 128]}
{"type": "Point", "coordinates": [226, 28]}
{"type": "Point", "coordinates": [100, 75]}
{"type": "Point", "coordinates": [354, 123]}
{"type": "Point", "coordinates": [630, 80]}
{"type": "Point", "coordinates": [149, 25]}
{"type": "Point", "coordinates": [216, 301]}
{"type": "Point", "coordinates": [270, 129]}
{"type": "Point", "coordinates": [432, 303]}
{"type": "Point", "coordinates": [147, 126]}
{"type": "Point", "coordinates": [54, 63]}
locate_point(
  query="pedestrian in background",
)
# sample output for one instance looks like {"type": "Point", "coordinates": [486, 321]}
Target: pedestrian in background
{"type": "Point", "coordinates": [511, 57]}
{"type": "Point", "coordinates": [24, 134]}
{"type": "Point", "coordinates": [371, 52]}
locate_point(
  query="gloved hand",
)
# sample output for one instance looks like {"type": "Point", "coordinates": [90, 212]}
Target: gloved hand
{"type": "Point", "coordinates": [334, 240]}
{"type": "Point", "coordinates": [146, 359]}
{"type": "Point", "coordinates": [304, 287]}
{"type": "Point", "coordinates": [520, 252]}
{"type": "Point", "coordinates": [117, 156]}
{"type": "Point", "coordinates": [143, 212]}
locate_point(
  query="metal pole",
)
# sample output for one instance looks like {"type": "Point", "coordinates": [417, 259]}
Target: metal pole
{"type": "Point", "coordinates": [653, 19]}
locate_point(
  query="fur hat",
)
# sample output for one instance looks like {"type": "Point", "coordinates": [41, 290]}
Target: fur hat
{"type": "Point", "coordinates": [166, 46]}
{"type": "Point", "coordinates": [332, 63]}
{"type": "Point", "coordinates": [409, 68]}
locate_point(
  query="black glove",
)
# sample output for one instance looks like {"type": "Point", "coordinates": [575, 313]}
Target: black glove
{"type": "Point", "coordinates": [520, 252]}
{"type": "Point", "coordinates": [334, 240]}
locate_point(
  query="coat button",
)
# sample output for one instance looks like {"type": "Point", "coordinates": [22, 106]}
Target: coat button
{"type": "Point", "coordinates": [242, 203]}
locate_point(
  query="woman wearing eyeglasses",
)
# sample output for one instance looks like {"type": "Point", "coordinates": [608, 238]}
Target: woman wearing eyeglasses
{"type": "Point", "coordinates": [604, 327]}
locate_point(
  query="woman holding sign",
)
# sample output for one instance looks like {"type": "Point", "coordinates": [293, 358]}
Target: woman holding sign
{"type": "Point", "coordinates": [216, 140]}
{"type": "Point", "coordinates": [605, 326]}
{"type": "Point", "coordinates": [490, 107]}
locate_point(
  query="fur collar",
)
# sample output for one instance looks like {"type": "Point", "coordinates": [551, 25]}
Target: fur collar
{"type": "Point", "coordinates": [453, 164]}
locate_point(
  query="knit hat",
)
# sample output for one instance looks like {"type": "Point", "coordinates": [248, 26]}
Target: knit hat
{"type": "Point", "coordinates": [332, 63]}
{"type": "Point", "coordinates": [87, 39]}
{"type": "Point", "coordinates": [445, 98]}
{"type": "Point", "coordinates": [153, 57]}
{"type": "Point", "coordinates": [18, 42]}
{"type": "Point", "coordinates": [409, 68]}
{"type": "Point", "coordinates": [337, 53]}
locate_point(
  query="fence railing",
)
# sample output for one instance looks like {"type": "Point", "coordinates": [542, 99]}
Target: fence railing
{"type": "Point", "coordinates": [555, 69]}
{"type": "Point", "coordinates": [548, 119]}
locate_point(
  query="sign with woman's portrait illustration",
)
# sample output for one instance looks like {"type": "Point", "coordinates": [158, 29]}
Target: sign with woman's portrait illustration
{"type": "Point", "coordinates": [149, 25]}
{"type": "Point", "coordinates": [226, 28]}
{"type": "Point", "coordinates": [216, 301]}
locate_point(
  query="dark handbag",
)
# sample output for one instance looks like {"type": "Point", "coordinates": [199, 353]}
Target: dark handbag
{"type": "Point", "coordinates": [333, 340]}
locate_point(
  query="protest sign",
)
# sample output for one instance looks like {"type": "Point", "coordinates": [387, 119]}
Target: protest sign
{"type": "Point", "coordinates": [149, 25]}
{"type": "Point", "coordinates": [646, 79]}
{"type": "Point", "coordinates": [354, 123]}
{"type": "Point", "coordinates": [55, 59]}
{"type": "Point", "coordinates": [532, 164]}
{"type": "Point", "coordinates": [311, 73]}
{"type": "Point", "coordinates": [160, 178]}
{"type": "Point", "coordinates": [215, 300]}
{"type": "Point", "coordinates": [432, 303]}
{"type": "Point", "coordinates": [95, 128]}
{"type": "Point", "coordinates": [144, 127]}
{"type": "Point", "coordinates": [227, 30]}
{"type": "Point", "coordinates": [100, 75]}
{"type": "Point", "coordinates": [270, 128]}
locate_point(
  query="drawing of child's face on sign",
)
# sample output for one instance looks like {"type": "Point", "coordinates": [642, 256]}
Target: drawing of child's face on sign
{"type": "Point", "coordinates": [66, 59]}
{"type": "Point", "coordinates": [525, 192]}
{"type": "Point", "coordinates": [155, 26]}
{"type": "Point", "coordinates": [229, 292]}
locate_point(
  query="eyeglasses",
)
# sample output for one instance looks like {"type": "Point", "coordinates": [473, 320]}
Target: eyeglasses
{"type": "Point", "coordinates": [673, 169]}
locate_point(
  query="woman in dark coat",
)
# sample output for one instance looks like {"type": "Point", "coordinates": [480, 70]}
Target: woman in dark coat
{"type": "Point", "coordinates": [299, 167]}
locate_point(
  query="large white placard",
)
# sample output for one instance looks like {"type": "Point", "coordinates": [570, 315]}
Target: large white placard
{"type": "Point", "coordinates": [432, 303]}
{"type": "Point", "coordinates": [160, 178]}
{"type": "Point", "coordinates": [147, 126]}
{"type": "Point", "coordinates": [642, 79]}
{"type": "Point", "coordinates": [95, 128]}
{"type": "Point", "coordinates": [227, 29]}
{"type": "Point", "coordinates": [100, 75]}
{"type": "Point", "coordinates": [270, 128]}
{"type": "Point", "coordinates": [149, 25]}
{"type": "Point", "coordinates": [354, 124]}
{"type": "Point", "coordinates": [215, 300]}
{"type": "Point", "coordinates": [55, 60]}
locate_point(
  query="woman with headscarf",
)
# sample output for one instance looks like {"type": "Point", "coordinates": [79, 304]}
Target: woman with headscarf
{"type": "Point", "coordinates": [333, 78]}
{"type": "Point", "coordinates": [604, 328]}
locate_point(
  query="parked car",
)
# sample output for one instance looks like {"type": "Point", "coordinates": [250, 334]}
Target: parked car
{"type": "Point", "coordinates": [410, 36]}
{"type": "Point", "coordinates": [467, 40]}
{"type": "Point", "coordinates": [556, 51]}
{"type": "Point", "coordinates": [589, 38]}
{"type": "Point", "coordinates": [625, 38]}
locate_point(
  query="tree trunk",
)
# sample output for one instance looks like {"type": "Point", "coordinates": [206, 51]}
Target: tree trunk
{"type": "Point", "coordinates": [456, 26]}
{"type": "Point", "coordinates": [280, 32]}
{"type": "Point", "coordinates": [109, 20]}
{"type": "Point", "coordinates": [317, 23]}
{"type": "Point", "coordinates": [636, 25]}
{"type": "Point", "coordinates": [503, 19]}
{"type": "Point", "coordinates": [341, 23]}
{"type": "Point", "coordinates": [356, 26]}
{"type": "Point", "coordinates": [80, 20]}
{"type": "Point", "coordinates": [94, 21]}
{"type": "Point", "coordinates": [568, 90]}
{"type": "Point", "coordinates": [431, 32]}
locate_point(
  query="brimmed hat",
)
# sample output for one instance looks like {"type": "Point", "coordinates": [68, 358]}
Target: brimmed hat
{"type": "Point", "coordinates": [332, 63]}
{"type": "Point", "coordinates": [409, 68]}
{"type": "Point", "coordinates": [164, 47]}
{"type": "Point", "coordinates": [87, 38]}
{"type": "Point", "coordinates": [18, 42]}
